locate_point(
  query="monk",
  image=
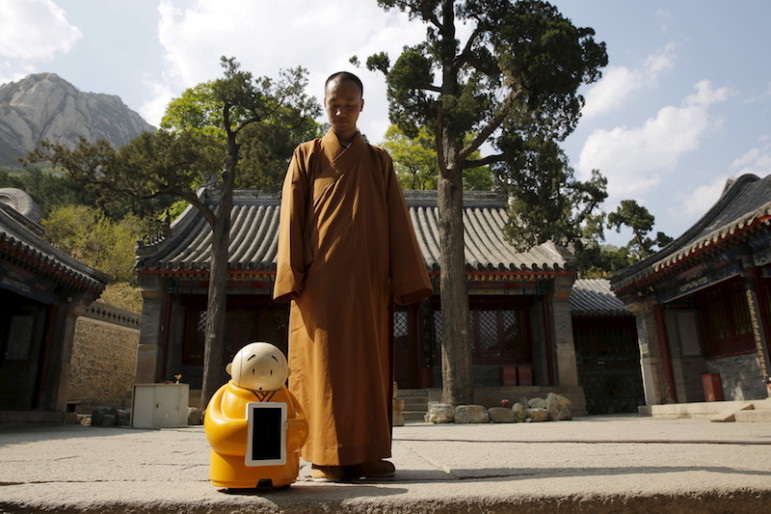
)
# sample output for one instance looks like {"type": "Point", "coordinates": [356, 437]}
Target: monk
{"type": "Point", "coordinates": [346, 251]}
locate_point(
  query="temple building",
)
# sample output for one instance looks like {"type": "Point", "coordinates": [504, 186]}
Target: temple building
{"type": "Point", "coordinates": [703, 303]}
{"type": "Point", "coordinates": [607, 354]}
{"type": "Point", "coordinates": [520, 318]}
{"type": "Point", "coordinates": [43, 291]}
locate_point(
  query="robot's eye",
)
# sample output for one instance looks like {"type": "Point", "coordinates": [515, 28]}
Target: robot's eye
{"type": "Point", "coordinates": [254, 371]}
{"type": "Point", "coordinates": [271, 372]}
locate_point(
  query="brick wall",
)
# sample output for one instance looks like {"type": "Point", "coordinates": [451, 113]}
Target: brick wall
{"type": "Point", "coordinates": [104, 358]}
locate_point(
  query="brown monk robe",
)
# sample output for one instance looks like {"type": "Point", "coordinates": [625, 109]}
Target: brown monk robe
{"type": "Point", "coordinates": [347, 249]}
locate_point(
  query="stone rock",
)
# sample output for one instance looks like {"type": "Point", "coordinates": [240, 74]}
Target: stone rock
{"type": "Point", "coordinates": [520, 412]}
{"type": "Point", "coordinates": [45, 106]}
{"type": "Point", "coordinates": [471, 414]}
{"type": "Point", "coordinates": [559, 407]}
{"type": "Point", "coordinates": [398, 416]}
{"type": "Point", "coordinates": [536, 403]}
{"type": "Point", "coordinates": [440, 413]}
{"type": "Point", "coordinates": [194, 416]}
{"type": "Point", "coordinates": [537, 414]}
{"type": "Point", "coordinates": [98, 414]}
{"type": "Point", "coordinates": [123, 418]}
{"type": "Point", "coordinates": [501, 415]}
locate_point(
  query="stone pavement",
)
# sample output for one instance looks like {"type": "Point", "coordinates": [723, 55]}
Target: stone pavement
{"type": "Point", "coordinates": [591, 464]}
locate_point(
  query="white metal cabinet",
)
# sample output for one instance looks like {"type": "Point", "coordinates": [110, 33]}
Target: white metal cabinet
{"type": "Point", "coordinates": [160, 405]}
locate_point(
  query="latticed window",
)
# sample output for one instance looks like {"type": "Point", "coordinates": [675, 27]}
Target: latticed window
{"type": "Point", "coordinates": [726, 320]}
{"type": "Point", "coordinates": [401, 342]}
{"type": "Point", "coordinates": [498, 335]}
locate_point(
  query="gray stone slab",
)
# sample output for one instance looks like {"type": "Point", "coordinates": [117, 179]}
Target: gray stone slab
{"type": "Point", "coordinates": [607, 464]}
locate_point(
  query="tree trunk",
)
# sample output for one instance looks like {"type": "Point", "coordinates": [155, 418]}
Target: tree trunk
{"type": "Point", "coordinates": [216, 309]}
{"type": "Point", "coordinates": [457, 382]}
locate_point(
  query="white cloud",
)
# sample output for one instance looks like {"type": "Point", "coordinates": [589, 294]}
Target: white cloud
{"type": "Point", "coordinates": [633, 159]}
{"type": "Point", "coordinates": [268, 36]}
{"type": "Point", "coordinates": [704, 197]}
{"type": "Point", "coordinates": [619, 82]}
{"type": "Point", "coordinates": [154, 109]}
{"type": "Point", "coordinates": [757, 160]}
{"type": "Point", "coordinates": [35, 29]}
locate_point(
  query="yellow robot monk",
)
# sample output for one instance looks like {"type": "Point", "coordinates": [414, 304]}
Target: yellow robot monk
{"type": "Point", "coordinates": [254, 424]}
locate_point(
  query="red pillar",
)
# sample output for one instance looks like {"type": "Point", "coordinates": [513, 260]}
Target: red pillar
{"type": "Point", "coordinates": [665, 354]}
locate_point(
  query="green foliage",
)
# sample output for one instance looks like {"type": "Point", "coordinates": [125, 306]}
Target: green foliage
{"type": "Point", "coordinates": [595, 260]}
{"type": "Point", "coordinates": [92, 238]}
{"type": "Point", "coordinates": [636, 217]}
{"type": "Point", "coordinates": [414, 158]}
{"type": "Point", "coordinates": [415, 162]}
{"type": "Point", "coordinates": [196, 108]}
{"type": "Point", "coordinates": [513, 86]}
{"type": "Point", "coordinates": [124, 296]}
{"type": "Point", "coordinates": [546, 201]}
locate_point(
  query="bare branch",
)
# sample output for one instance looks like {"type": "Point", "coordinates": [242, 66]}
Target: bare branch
{"type": "Point", "coordinates": [491, 127]}
{"type": "Point", "coordinates": [484, 161]}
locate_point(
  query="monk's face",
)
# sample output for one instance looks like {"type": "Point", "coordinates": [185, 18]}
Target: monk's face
{"type": "Point", "coordinates": [343, 102]}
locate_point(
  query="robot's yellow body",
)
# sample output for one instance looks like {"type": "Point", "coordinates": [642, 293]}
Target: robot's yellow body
{"type": "Point", "coordinates": [258, 372]}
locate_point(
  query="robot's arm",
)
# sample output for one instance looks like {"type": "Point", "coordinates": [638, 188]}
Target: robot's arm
{"type": "Point", "coordinates": [225, 434]}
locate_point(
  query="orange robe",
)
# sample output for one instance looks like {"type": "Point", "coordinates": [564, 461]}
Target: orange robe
{"type": "Point", "coordinates": [347, 249]}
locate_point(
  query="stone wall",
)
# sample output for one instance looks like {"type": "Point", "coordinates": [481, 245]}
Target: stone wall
{"type": "Point", "coordinates": [104, 358]}
{"type": "Point", "coordinates": [740, 376]}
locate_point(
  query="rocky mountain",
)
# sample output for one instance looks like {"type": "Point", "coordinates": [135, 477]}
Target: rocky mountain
{"type": "Point", "coordinates": [45, 106]}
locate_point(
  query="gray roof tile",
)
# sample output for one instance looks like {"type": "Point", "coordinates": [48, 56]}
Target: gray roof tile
{"type": "Point", "coordinates": [744, 204]}
{"type": "Point", "coordinates": [254, 236]}
{"type": "Point", "coordinates": [593, 297]}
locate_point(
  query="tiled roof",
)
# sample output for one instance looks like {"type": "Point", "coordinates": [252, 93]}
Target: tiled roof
{"type": "Point", "coordinates": [254, 236]}
{"type": "Point", "coordinates": [21, 242]}
{"type": "Point", "coordinates": [593, 297]}
{"type": "Point", "coordinates": [744, 205]}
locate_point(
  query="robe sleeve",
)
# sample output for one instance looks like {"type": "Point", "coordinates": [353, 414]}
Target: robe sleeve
{"type": "Point", "coordinates": [290, 258]}
{"type": "Point", "coordinates": [409, 279]}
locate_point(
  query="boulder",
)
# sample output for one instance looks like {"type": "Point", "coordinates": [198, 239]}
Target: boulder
{"type": "Point", "coordinates": [501, 415]}
{"type": "Point", "coordinates": [520, 412]}
{"type": "Point", "coordinates": [471, 414]}
{"type": "Point", "coordinates": [194, 416]}
{"type": "Point", "coordinates": [536, 403]}
{"type": "Point", "coordinates": [440, 413]}
{"type": "Point", "coordinates": [99, 413]}
{"type": "Point", "coordinates": [123, 418]}
{"type": "Point", "coordinates": [538, 414]}
{"type": "Point", "coordinates": [559, 407]}
{"type": "Point", "coordinates": [398, 409]}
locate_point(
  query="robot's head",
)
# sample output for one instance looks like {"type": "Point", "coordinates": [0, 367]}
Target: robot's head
{"type": "Point", "coordinates": [259, 367]}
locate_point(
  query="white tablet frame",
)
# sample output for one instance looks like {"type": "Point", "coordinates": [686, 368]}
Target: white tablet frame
{"type": "Point", "coordinates": [250, 417]}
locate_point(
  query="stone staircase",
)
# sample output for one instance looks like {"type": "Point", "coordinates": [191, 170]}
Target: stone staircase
{"type": "Point", "coordinates": [749, 411]}
{"type": "Point", "coordinates": [415, 404]}
{"type": "Point", "coordinates": [758, 411]}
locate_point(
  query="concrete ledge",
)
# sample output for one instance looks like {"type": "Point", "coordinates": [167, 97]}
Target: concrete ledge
{"type": "Point", "coordinates": [37, 417]}
{"type": "Point", "coordinates": [713, 411]}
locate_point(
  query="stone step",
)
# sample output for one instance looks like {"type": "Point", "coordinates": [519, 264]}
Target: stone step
{"type": "Point", "coordinates": [753, 416]}
{"type": "Point", "coordinates": [413, 403]}
{"type": "Point", "coordinates": [413, 393]}
{"type": "Point", "coordinates": [412, 415]}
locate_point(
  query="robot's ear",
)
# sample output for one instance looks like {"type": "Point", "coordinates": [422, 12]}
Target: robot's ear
{"type": "Point", "coordinates": [288, 372]}
{"type": "Point", "coordinates": [229, 368]}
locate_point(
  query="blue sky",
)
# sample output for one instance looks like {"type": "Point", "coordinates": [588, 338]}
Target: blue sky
{"type": "Point", "coordinates": [684, 103]}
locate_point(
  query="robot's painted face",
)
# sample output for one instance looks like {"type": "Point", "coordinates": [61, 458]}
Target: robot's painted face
{"type": "Point", "coordinates": [259, 367]}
